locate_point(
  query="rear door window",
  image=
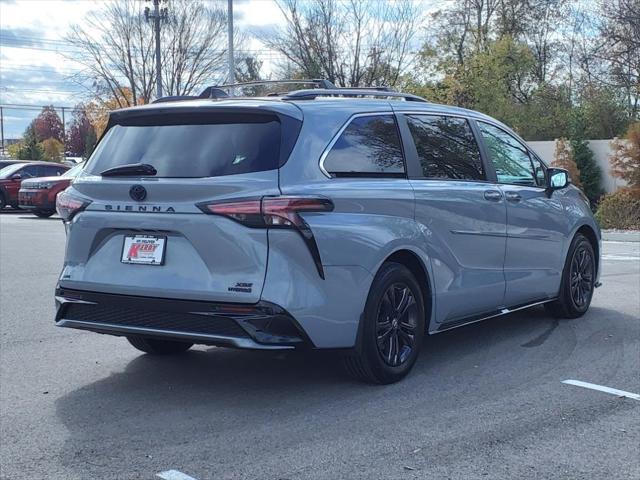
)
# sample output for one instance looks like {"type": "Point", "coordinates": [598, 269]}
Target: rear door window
{"type": "Point", "coordinates": [31, 171]}
{"type": "Point", "coordinates": [369, 146]}
{"type": "Point", "coordinates": [179, 146]}
{"type": "Point", "coordinates": [446, 147]}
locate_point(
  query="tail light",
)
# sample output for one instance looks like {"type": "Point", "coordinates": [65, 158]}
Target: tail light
{"type": "Point", "coordinates": [68, 205]}
{"type": "Point", "coordinates": [275, 212]}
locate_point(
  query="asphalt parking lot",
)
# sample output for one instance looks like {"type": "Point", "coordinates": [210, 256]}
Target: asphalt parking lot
{"type": "Point", "coordinates": [484, 401]}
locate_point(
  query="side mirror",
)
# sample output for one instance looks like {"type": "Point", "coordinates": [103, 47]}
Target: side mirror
{"type": "Point", "coordinates": [557, 178]}
{"type": "Point", "coordinates": [16, 176]}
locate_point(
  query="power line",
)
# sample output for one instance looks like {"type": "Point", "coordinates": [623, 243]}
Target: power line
{"type": "Point", "coordinates": [21, 106]}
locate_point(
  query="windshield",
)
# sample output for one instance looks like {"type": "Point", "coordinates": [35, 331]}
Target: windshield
{"type": "Point", "coordinates": [6, 172]}
{"type": "Point", "coordinates": [74, 171]}
{"type": "Point", "coordinates": [216, 147]}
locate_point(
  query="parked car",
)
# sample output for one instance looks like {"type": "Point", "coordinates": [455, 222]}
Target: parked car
{"type": "Point", "coordinates": [39, 194]}
{"type": "Point", "coordinates": [6, 163]}
{"type": "Point", "coordinates": [325, 218]}
{"type": "Point", "coordinates": [12, 176]}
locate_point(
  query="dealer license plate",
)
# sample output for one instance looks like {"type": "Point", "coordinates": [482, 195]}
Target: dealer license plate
{"type": "Point", "coordinates": [144, 249]}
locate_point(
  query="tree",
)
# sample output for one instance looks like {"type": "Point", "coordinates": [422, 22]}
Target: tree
{"type": "Point", "coordinates": [52, 149]}
{"type": "Point", "coordinates": [625, 159]}
{"type": "Point", "coordinates": [350, 43]}
{"type": "Point", "coordinates": [90, 143]}
{"type": "Point", "coordinates": [563, 158]}
{"type": "Point", "coordinates": [30, 148]}
{"type": "Point", "coordinates": [590, 174]}
{"type": "Point", "coordinates": [98, 110]}
{"type": "Point", "coordinates": [613, 59]}
{"type": "Point", "coordinates": [80, 131]}
{"type": "Point", "coordinates": [48, 125]}
{"type": "Point", "coordinates": [116, 46]}
{"type": "Point", "coordinates": [602, 112]}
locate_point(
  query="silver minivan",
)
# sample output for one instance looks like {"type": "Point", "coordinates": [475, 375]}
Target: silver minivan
{"type": "Point", "coordinates": [325, 218]}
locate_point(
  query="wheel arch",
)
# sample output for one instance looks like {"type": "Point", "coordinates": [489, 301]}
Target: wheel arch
{"type": "Point", "coordinates": [417, 267]}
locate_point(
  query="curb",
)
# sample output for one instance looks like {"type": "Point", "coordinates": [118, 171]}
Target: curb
{"type": "Point", "coordinates": [621, 236]}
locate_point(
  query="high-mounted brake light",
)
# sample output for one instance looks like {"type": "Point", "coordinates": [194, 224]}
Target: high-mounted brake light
{"type": "Point", "coordinates": [275, 212]}
{"type": "Point", "coordinates": [68, 205]}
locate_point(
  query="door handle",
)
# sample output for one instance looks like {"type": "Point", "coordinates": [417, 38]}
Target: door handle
{"type": "Point", "coordinates": [513, 197]}
{"type": "Point", "coordinates": [493, 195]}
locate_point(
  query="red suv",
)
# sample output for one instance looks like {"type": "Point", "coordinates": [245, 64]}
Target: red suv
{"type": "Point", "coordinates": [11, 178]}
{"type": "Point", "coordinates": [39, 194]}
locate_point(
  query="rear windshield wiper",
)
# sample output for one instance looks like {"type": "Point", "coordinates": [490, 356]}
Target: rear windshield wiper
{"type": "Point", "coordinates": [130, 169]}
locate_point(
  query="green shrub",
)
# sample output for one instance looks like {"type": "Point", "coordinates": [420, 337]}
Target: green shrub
{"type": "Point", "coordinates": [619, 210]}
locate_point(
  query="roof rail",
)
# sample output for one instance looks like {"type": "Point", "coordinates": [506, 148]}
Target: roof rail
{"type": "Point", "coordinates": [221, 91]}
{"type": "Point", "coordinates": [380, 92]}
{"type": "Point", "coordinates": [209, 92]}
{"type": "Point", "coordinates": [318, 83]}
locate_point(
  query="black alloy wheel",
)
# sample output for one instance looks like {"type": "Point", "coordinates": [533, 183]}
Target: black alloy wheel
{"type": "Point", "coordinates": [396, 324]}
{"type": "Point", "coordinates": [581, 275]}
{"type": "Point", "coordinates": [578, 281]}
{"type": "Point", "coordinates": [392, 327]}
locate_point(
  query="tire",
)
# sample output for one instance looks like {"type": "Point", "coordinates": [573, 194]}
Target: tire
{"type": "Point", "coordinates": [578, 281]}
{"type": "Point", "coordinates": [43, 213]}
{"type": "Point", "coordinates": [156, 346]}
{"type": "Point", "coordinates": [3, 202]}
{"type": "Point", "coordinates": [389, 341]}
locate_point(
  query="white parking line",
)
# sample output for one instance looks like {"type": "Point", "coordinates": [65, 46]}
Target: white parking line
{"type": "Point", "coordinates": [174, 475]}
{"type": "Point", "coordinates": [593, 386]}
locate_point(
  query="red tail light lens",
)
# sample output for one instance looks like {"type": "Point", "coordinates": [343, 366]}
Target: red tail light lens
{"type": "Point", "coordinates": [247, 212]}
{"type": "Point", "coordinates": [284, 211]}
{"type": "Point", "coordinates": [68, 205]}
{"type": "Point", "coordinates": [275, 212]}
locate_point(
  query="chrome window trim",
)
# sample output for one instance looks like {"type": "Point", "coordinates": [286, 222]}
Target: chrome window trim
{"type": "Point", "coordinates": [335, 138]}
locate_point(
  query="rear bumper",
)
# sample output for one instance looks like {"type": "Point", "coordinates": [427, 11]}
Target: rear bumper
{"type": "Point", "coordinates": [261, 326]}
{"type": "Point", "coordinates": [35, 200]}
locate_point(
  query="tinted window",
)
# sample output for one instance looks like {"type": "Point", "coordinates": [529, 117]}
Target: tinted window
{"type": "Point", "coordinates": [229, 147]}
{"type": "Point", "coordinates": [30, 171]}
{"type": "Point", "coordinates": [446, 147]}
{"type": "Point", "coordinates": [52, 171]}
{"type": "Point", "coordinates": [369, 145]}
{"type": "Point", "coordinates": [508, 156]}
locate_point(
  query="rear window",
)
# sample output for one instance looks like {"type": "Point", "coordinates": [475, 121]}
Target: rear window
{"type": "Point", "coordinates": [176, 148]}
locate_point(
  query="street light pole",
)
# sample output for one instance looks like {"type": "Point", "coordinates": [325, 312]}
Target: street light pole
{"type": "Point", "coordinates": [2, 128]}
{"type": "Point", "coordinates": [156, 20]}
{"type": "Point", "coordinates": [232, 67]}
{"type": "Point", "coordinates": [158, 15]}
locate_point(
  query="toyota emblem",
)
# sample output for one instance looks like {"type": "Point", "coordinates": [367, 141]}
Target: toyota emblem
{"type": "Point", "coordinates": [138, 193]}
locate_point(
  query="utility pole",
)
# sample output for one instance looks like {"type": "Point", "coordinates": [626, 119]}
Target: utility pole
{"type": "Point", "coordinates": [64, 134]}
{"type": "Point", "coordinates": [157, 16]}
{"type": "Point", "coordinates": [232, 66]}
{"type": "Point", "coordinates": [2, 129]}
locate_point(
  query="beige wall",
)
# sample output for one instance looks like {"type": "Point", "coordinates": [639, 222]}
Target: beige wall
{"type": "Point", "coordinates": [601, 150]}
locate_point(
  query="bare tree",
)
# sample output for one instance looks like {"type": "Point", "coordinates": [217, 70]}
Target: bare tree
{"type": "Point", "coordinates": [116, 47]}
{"type": "Point", "coordinates": [613, 59]}
{"type": "Point", "coordinates": [350, 43]}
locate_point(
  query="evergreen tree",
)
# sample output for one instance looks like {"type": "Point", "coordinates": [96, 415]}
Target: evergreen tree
{"type": "Point", "coordinates": [590, 173]}
{"type": "Point", "coordinates": [30, 149]}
